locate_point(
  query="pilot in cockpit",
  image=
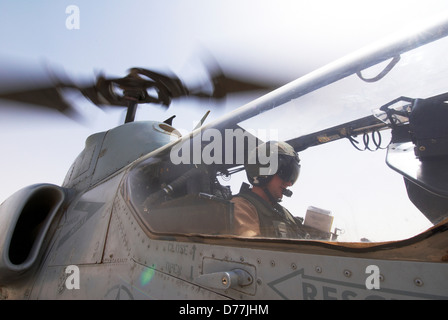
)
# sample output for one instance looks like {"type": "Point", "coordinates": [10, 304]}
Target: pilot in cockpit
{"type": "Point", "coordinates": [257, 211]}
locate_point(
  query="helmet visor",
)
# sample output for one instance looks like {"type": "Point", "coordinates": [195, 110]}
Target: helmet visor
{"type": "Point", "coordinates": [289, 172]}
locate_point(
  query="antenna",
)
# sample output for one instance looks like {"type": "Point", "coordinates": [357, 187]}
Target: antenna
{"type": "Point", "coordinates": [202, 120]}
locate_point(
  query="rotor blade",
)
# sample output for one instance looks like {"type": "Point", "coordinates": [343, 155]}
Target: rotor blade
{"type": "Point", "coordinates": [43, 97]}
{"type": "Point", "coordinates": [37, 89]}
{"type": "Point", "coordinates": [224, 85]}
{"type": "Point", "coordinates": [41, 87]}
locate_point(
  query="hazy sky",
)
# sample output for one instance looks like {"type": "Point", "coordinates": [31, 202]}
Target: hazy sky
{"type": "Point", "coordinates": [278, 39]}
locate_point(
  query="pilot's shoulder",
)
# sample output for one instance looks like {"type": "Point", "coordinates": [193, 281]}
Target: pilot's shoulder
{"type": "Point", "coordinates": [242, 203]}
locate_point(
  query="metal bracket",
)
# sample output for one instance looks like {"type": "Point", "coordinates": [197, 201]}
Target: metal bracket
{"type": "Point", "coordinates": [226, 279]}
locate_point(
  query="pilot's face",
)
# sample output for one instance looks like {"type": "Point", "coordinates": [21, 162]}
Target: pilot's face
{"type": "Point", "coordinates": [276, 186]}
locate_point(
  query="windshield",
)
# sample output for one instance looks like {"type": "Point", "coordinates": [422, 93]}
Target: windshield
{"type": "Point", "coordinates": [345, 192]}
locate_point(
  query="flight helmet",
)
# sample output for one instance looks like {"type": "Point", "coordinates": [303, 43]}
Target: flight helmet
{"type": "Point", "coordinates": [270, 158]}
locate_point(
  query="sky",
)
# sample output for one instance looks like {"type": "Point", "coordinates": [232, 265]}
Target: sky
{"type": "Point", "coordinates": [280, 40]}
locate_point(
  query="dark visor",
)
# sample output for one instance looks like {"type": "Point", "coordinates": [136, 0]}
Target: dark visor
{"type": "Point", "coordinates": [290, 171]}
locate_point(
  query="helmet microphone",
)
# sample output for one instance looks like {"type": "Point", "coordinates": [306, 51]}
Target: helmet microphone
{"type": "Point", "coordinates": [287, 193]}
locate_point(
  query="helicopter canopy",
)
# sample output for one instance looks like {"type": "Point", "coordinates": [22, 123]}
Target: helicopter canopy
{"type": "Point", "coordinates": [356, 105]}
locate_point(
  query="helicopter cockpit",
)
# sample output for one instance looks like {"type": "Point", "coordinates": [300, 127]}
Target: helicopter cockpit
{"type": "Point", "coordinates": [192, 201]}
{"type": "Point", "coordinates": [394, 108]}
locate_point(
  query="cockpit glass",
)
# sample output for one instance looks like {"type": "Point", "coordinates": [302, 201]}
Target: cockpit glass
{"type": "Point", "coordinates": [346, 191]}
